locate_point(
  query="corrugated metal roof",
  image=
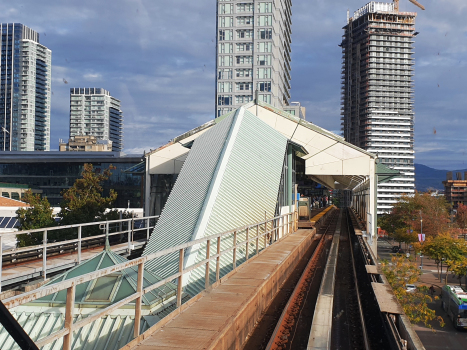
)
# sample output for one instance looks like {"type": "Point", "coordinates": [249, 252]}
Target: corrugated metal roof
{"type": "Point", "coordinates": [109, 289]}
{"type": "Point", "coordinates": [180, 214]}
{"type": "Point", "coordinates": [248, 189]}
{"type": "Point", "coordinates": [109, 332]}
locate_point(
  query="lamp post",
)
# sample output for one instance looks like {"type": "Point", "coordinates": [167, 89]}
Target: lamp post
{"type": "Point", "coordinates": [421, 239]}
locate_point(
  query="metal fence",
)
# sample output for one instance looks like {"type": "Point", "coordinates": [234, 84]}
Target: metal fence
{"type": "Point", "coordinates": [129, 227]}
{"type": "Point", "coordinates": [267, 232]}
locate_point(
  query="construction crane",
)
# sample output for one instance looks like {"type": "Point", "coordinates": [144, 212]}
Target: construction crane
{"type": "Point", "coordinates": [415, 2]}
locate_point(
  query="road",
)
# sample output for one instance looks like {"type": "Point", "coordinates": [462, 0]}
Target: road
{"type": "Point", "coordinates": [446, 338]}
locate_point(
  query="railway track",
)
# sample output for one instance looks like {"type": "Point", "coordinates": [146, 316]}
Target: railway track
{"type": "Point", "coordinates": [287, 321]}
{"type": "Point", "coordinates": [356, 320]}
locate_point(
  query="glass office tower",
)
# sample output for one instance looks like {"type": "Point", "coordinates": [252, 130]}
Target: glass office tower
{"type": "Point", "coordinates": [25, 68]}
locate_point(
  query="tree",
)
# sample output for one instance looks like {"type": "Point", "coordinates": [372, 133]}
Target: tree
{"type": "Point", "coordinates": [408, 212]}
{"type": "Point", "coordinates": [461, 216]}
{"type": "Point", "coordinates": [415, 304]}
{"type": "Point", "coordinates": [444, 248]}
{"type": "Point", "coordinates": [459, 268]}
{"type": "Point", "coordinates": [84, 201]}
{"type": "Point", "coordinates": [39, 214]}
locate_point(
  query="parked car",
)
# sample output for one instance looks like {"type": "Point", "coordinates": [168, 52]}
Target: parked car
{"type": "Point", "coordinates": [395, 249]}
{"type": "Point", "coordinates": [410, 288]}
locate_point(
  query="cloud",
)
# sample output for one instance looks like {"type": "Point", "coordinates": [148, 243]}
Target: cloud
{"type": "Point", "coordinates": [158, 58]}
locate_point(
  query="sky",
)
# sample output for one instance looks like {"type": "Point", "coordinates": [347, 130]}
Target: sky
{"type": "Point", "coordinates": [158, 58]}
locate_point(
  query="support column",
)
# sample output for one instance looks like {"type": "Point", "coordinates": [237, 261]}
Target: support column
{"type": "Point", "coordinates": [147, 188]}
{"type": "Point", "coordinates": [372, 209]}
{"type": "Point", "coordinates": [289, 176]}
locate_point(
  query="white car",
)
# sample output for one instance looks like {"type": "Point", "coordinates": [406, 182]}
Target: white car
{"type": "Point", "coordinates": [410, 288]}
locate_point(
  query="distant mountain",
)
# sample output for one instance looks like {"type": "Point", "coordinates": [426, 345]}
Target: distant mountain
{"type": "Point", "coordinates": [426, 177]}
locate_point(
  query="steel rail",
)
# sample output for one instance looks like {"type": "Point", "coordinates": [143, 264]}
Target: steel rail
{"type": "Point", "coordinates": [276, 339]}
{"type": "Point", "coordinates": [360, 309]}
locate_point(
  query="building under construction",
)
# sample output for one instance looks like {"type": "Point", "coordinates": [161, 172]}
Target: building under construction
{"type": "Point", "coordinates": [377, 91]}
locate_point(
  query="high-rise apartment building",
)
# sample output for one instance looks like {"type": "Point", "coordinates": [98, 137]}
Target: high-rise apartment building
{"type": "Point", "coordinates": [94, 112]}
{"type": "Point", "coordinates": [377, 91]}
{"type": "Point", "coordinates": [25, 68]}
{"type": "Point", "coordinates": [253, 53]}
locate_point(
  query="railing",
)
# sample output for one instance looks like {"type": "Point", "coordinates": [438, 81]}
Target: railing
{"type": "Point", "coordinates": [128, 226]}
{"type": "Point", "coordinates": [270, 231]}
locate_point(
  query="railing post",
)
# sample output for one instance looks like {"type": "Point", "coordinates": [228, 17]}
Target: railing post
{"type": "Point", "coordinates": [247, 243]}
{"type": "Point", "coordinates": [44, 256]}
{"type": "Point", "coordinates": [69, 308]}
{"type": "Point", "coordinates": [79, 244]}
{"type": "Point", "coordinates": [1, 261]}
{"type": "Point", "coordinates": [282, 225]}
{"type": "Point", "coordinates": [234, 262]}
{"type": "Point", "coordinates": [208, 252]}
{"type": "Point", "coordinates": [130, 228]}
{"type": "Point", "coordinates": [257, 239]}
{"type": "Point", "coordinates": [180, 278]}
{"type": "Point", "coordinates": [139, 289]}
{"type": "Point", "coordinates": [147, 229]}
{"type": "Point", "coordinates": [218, 258]}
{"type": "Point", "coordinates": [265, 234]}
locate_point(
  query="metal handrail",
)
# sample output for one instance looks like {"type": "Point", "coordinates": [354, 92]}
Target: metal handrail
{"type": "Point", "coordinates": [279, 224]}
{"type": "Point", "coordinates": [129, 231]}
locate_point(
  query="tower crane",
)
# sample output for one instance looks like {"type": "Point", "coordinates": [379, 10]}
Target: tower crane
{"type": "Point", "coordinates": [415, 2]}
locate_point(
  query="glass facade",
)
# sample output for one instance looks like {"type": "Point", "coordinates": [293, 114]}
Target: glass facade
{"type": "Point", "coordinates": [25, 70]}
{"type": "Point", "coordinates": [52, 176]}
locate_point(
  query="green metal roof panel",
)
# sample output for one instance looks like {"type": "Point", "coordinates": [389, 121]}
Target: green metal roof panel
{"type": "Point", "coordinates": [248, 189]}
{"type": "Point", "coordinates": [109, 289]}
{"type": "Point", "coordinates": [109, 332]}
{"type": "Point", "coordinates": [180, 214]}
{"type": "Point", "coordinates": [385, 173]}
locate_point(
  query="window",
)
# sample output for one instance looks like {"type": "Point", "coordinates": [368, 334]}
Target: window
{"type": "Point", "coordinates": [225, 48]}
{"type": "Point", "coordinates": [264, 60]}
{"type": "Point", "coordinates": [244, 59]}
{"type": "Point", "coordinates": [225, 9]}
{"type": "Point", "coordinates": [243, 99]}
{"type": "Point", "coordinates": [245, 7]}
{"type": "Point", "coordinates": [243, 20]}
{"type": "Point", "coordinates": [224, 74]}
{"type": "Point", "coordinates": [244, 86]}
{"type": "Point", "coordinates": [244, 73]}
{"type": "Point", "coordinates": [265, 7]}
{"type": "Point", "coordinates": [224, 87]}
{"type": "Point", "coordinates": [265, 47]}
{"type": "Point", "coordinates": [224, 100]}
{"type": "Point", "coordinates": [225, 34]}
{"type": "Point", "coordinates": [264, 86]}
{"type": "Point", "coordinates": [245, 34]}
{"type": "Point", "coordinates": [225, 22]}
{"type": "Point", "coordinates": [244, 47]}
{"type": "Point", "coordinates": [265, 98]}
{"type": "Point", "coordinates": [262, 73]}
{"type": "Point", "coordinates": [222, 111]}
{"type": "Point", "coordinates": [265, 20]}
{"type": "Point", "coordinates": [225, 61]}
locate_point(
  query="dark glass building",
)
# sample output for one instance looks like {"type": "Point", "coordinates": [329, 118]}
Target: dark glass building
{"type": "Point", "coordinates": [53, 172]}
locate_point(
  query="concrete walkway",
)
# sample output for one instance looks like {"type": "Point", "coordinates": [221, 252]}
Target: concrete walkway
{"type": "Point", "coordinates": [224, 316]}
